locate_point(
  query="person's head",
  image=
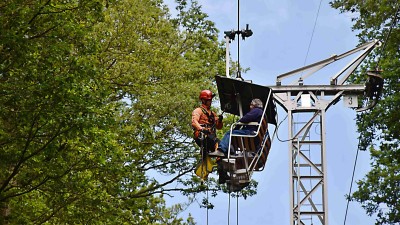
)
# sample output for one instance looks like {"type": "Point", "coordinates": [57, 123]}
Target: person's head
{"type": "Point", "coordinates": [206, 97]}
{"type": "Point", "coordinates": [256, 103]}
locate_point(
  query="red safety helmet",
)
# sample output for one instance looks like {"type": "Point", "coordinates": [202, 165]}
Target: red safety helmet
{"type": "Point", "coordinates": [206, 95]}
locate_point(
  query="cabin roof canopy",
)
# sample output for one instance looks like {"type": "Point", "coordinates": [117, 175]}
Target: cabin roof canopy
{"type": "Point", "coordinates": [231, 91]}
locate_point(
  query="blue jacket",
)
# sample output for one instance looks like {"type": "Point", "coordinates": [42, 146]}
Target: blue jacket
{"type": "Point", "coordinates": [254, 115]}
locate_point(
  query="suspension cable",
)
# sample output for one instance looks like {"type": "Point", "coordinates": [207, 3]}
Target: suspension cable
{"type": "Point", "coordinates": [387, 36]}
{"type": "Point", "coordinates": [238, 75]}
{"type": "Point", "coordinates": [312, 33]}
{"type": "Point", "coordinates": [354, 169]}
{"type": "Point", "coordinates": [237, 209]}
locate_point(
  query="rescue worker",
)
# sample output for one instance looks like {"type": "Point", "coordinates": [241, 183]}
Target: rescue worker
{"type": "Point", "coordinates": [205, 122]}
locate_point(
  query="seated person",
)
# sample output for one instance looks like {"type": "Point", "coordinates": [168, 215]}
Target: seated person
{"type": "Point", "coordinates": [254, 115]}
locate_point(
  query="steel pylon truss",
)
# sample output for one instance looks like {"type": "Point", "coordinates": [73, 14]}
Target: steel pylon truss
{"type": "Point", "coordinates": [306, 106]}
{"type": "Point", "coordinates": [308, 175]}
{"type": "Point", "coordinates": [307, 169]}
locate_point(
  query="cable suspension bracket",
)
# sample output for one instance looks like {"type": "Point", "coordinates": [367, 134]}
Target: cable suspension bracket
{"type": "Point", "coordinates": [230, 36]}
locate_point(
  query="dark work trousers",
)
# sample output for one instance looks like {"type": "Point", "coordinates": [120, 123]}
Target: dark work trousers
{"type": "Point", "coordinates": [206, 142]}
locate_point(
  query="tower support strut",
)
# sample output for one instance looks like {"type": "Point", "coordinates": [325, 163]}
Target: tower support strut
{"type": "Point", "coordinates": [306, 106]}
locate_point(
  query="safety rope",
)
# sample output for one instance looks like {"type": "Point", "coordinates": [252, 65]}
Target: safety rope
{"type": "Point", "coordinates": [202, 166]}
{"type": "Point", "coordinates": [229, 204]}
{"type": "Point", "coordinates": [229, 207]}
{"type": "Point", "coordinates": [237, 209]}
{"type": "Point", "coordinates": [230, 179]}
{"type": "Point", "coordinates": [207, 203]}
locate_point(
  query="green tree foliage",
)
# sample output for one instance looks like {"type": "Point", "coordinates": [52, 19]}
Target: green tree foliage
{"type": "Point", "coordinates": [95, 99]}
{"type": "Point", "coordinates": [379, 191]}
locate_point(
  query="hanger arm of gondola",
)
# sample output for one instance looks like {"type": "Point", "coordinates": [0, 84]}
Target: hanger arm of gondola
{"type": "Point", "coordinates": [367, 48]}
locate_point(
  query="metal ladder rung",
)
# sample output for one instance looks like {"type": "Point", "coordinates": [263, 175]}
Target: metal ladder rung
{"type": "Point", "coordinates": [229, 164]}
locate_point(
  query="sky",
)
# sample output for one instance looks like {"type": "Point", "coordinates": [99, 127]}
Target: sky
{"type": "Point", "coordinates": [282, 33]}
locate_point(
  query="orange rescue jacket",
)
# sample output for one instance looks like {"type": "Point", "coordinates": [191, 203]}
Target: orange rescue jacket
{"type": "Point", "coordinates": [201, 120]}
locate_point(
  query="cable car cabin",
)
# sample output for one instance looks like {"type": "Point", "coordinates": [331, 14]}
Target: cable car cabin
{"type": "Point", "coordinates": [247, 153]}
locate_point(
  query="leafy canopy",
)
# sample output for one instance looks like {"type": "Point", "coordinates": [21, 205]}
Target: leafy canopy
{"type": "Point", "coordinates": [379, 128]}
{"type": "Point", "coordinates": [96, 98]}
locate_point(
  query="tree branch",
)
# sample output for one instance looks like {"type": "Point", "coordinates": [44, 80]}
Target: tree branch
{"type": "Point", "coordinates": [39, 12]}
{"type": "Point", "coordinates": [149, 191]}
{"type": "Point", "coordinates": [43, 33]}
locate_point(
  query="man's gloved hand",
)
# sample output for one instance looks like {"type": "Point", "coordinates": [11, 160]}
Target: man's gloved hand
{"type": "Point", "coordinates": [220, 117]}
{"type": "Point", "coordinates": [205, 131]}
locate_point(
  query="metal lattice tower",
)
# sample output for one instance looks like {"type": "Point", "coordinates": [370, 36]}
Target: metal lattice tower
{"type": "Point", "coordinates": [306, 106]}
{"type": "Point", "coordinates": [307, 167]}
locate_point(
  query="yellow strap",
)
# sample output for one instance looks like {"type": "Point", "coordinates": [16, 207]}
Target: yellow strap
{"type": "Point", "coordinates": [205, 167]}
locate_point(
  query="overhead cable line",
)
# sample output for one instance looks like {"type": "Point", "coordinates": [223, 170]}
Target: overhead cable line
{"type": "Point", "coordinates": [387, 36]}
{"type": "Point", "coordinates": [312, 34]}
{"type": "Point", "coordinates": [354, 169]}
{"type": "Point", "coordinates": [239, 74]}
